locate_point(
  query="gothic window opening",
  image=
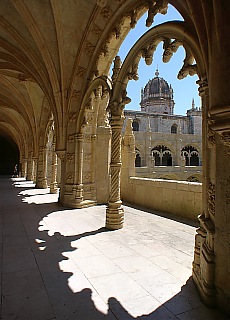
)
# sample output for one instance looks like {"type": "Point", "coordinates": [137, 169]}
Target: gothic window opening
{"type": "Point", "coordinates": [191, 156]}
{"type": "Point", "coordinates": [135, 125]}
{"type": "Point", "coordinates": [174, 128]}
{"type": "Point", "coordinates": [162, 156]}
{"type": "Point", "coordinates": [138, 158]}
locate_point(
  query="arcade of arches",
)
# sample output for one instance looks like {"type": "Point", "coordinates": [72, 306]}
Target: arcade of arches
{"type": "Point", "coordinates": [59, 108]}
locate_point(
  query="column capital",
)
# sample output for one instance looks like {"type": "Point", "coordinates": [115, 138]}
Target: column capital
{"type": "Point", "coordinates": [116, 122]}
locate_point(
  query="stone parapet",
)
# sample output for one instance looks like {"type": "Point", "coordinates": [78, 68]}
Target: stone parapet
{"type": "Point", "coordinates": [176, 197]}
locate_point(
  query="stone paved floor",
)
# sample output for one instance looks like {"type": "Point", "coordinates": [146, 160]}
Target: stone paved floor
{"type": "Point", "coordinates": [59, 263]}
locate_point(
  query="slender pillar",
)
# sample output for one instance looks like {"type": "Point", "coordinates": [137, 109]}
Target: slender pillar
{"type": "Point", "coordinates": [204, 257]}
{"type": "Point", "coordinates": [114, 211]}
{"type": "Point", "coordinates": [93, 150]}
{"type": "Point", "coordinates": [24, 167]}
{"type": "Point", "coordinates": [62, 156]}
{"type": "Point", "coordinates": [79, 184]}
{"type": "Point", "coordinates": [35, 165]}
{"type": "Point", "coordinates": [53, 184]}
{"type": "Point", "coordinates": [41, 181]}
{"type": "Point", "coordinates": [30, 168]}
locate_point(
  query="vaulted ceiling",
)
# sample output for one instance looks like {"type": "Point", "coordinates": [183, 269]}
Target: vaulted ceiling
{"type": "Point", "coordinates": [51, 49]}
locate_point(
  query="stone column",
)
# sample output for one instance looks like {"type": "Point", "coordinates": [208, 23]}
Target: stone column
{"type": "Point", "coordinates": [35, 164]}
{"type": "Point", "coordinates": [41, 181]}
{"type": "Point", "coordinates": [30, 168]}
{"type": "Point", "coordinates": [93, 149]}
{"type": "Point", "coordinates": [62, 156]}
{"type": "Point", "coordinates": [79, 181]}
{"type": "Point", "coordinates": [114, 211]}
{"type": "Point", "coordinates": [24, 168]}
{"type": "Point", "coordinates": [204, 257]}
{"type": "Point", "coordinates": [53, 184]}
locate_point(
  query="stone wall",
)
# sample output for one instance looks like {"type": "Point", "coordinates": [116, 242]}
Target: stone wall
{"type": "Point", "coordinates": [177, 197]}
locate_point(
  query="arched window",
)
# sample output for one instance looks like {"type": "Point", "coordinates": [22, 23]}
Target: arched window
{"type": "Point", "coordinates": [191, 156]}
{"type": "Point", "coordinates": [162, 156]}
{"type": "Point", "coordinates": [174, 128]}
{"type": "Point", "coordinates": [138, 158]}
{"type": "Point", "coordinates": [135, 125]}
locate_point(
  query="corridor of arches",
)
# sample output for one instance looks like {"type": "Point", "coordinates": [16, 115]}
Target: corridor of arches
{"type": "Point", "coordinates": [63, 91]}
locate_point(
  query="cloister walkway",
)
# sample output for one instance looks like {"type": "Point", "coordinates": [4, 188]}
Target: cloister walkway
{"type": "Point", "coordinates": [60, 263]}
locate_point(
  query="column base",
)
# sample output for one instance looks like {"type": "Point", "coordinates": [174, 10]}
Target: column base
{"type": "Point", "coordinates": [53, 188]}
{"type": "Point", "coordinates": [77, 203]}
{"type": "Point", "coordinates": [207, 293]}
{"type": "Point", "coordinates": [114, 216]}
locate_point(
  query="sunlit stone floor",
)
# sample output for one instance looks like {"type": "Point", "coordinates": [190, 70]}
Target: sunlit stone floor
{"type": "Point", "coordinates": [59, 263]}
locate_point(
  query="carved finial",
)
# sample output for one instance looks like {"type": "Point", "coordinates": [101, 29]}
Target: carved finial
{"type": "Point", "coordinates": [157, 72]}
{"type": "Point", "coordinates": [193, 104]}
{"type": "Point", "coordinates": [117, 66]}
{"type": "Point", "coordinates": [129, 127]}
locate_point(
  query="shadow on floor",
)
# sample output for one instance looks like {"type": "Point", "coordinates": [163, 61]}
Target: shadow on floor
{"type": "Point", "coordinates": [35, 287]}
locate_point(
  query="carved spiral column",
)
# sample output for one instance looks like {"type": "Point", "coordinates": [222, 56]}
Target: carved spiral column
{"type": "Point", "coordinates": [53, 184]}
{"type": "Point", "coordinates": [204, 258]}
{"type": "Point", "coordinates": [30, 167]}
{"type": "Point", "coordinates": [114, 211]}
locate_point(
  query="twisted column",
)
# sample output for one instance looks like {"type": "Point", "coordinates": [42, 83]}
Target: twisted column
{"type": "Point", "coordinates": [53, 184]}
{"type": "Point", "coordinates": [114, 211]}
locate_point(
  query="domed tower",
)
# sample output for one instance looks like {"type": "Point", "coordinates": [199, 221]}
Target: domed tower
{"type": "Point", "coordinates": [157, 96]}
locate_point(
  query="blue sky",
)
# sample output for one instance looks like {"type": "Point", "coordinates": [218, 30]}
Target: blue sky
{"type": "Point", "coordinates": [184, 90]}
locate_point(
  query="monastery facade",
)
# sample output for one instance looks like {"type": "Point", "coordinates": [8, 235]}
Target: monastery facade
{"type": "Point", "coordinates": [167, 146]}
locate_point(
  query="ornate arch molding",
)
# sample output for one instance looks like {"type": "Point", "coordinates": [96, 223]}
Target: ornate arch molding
{"type": "Point", "coordinates": [173, 35]}
{"type": "Point", "coordinates": [102, 82]}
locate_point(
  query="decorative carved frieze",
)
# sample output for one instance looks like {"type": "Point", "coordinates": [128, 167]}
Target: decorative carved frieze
{"type": "Point", "coordinates": [211, 199]}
